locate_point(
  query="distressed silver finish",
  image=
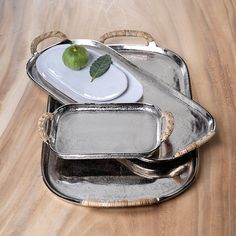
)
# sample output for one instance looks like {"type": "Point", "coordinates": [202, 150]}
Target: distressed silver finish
{"type": "Point", "coordinates": [192, 122]}
{"type": "Point", "coordinates": [105, 131]}
{"type": "Point", "coordinates": [79, 180]}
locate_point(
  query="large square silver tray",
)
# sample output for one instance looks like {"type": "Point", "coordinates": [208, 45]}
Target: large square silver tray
{"type": "Point", "coordinates": [107, 183]}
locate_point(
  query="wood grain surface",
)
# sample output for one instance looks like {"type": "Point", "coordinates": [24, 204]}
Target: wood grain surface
{"type": "Point", "coordinates": [202, 32]}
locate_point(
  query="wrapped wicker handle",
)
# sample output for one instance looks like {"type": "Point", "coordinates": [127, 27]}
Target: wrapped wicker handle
{"type": "Point", "coordinates": [169, 129]}
{"type": "Point", "coordinates": [169, 125]}
{"type": "Point", "coordinates": [40, 38]}
{"type": "Point", "coordinates": [130, 33]}
{"type": "Point", "coordinates": [42, 125]}
{"type": "Point", "coordinates": [196, 144]}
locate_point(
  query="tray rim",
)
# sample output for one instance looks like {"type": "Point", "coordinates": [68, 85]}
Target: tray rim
{"type": "Point", "coordinates": [105, 107]}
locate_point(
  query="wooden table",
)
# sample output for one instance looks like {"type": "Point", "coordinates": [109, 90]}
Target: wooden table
{"type": "Point", "coordinates": [202, 32]}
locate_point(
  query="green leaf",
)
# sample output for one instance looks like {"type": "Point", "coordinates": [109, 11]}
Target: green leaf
{"type": "Point", "coordinates": [100, 66]}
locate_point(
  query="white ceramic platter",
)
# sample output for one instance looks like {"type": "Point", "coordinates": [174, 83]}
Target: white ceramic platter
{"type": "Point", "coordinates": [116, 85]}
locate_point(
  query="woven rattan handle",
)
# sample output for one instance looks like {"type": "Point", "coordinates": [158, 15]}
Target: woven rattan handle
{"type": "Point", "coordinates": [42, 125]}
{"type": "Point", "coordinates": [169, 125]}
{"type": "Point", "coordinates": [40, 38]}
{"type": "Point", "coordinates": [130, 33]}
{"type": "Point", "coordinates": [196, 144]}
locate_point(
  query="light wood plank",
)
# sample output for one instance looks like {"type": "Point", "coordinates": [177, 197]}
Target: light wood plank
{"type": "Point", "coordinates": [202, 32]}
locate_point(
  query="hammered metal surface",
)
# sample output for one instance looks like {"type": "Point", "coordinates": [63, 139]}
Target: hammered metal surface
{"type": "Point", "coordinates": [101, 131]}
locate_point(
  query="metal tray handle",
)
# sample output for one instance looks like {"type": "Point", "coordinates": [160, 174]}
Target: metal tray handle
{"type": "Point", "coordinates": [42, 125]}
{"type": "Point", "coordinates": [169, 129]}
{"type": "Point", "coordinates": [40, 38]}
{"type": "Point", "coordinates": [152, 173]}
{"type": "Point", "coordinates": [129, 33]}
{"type": "Point", "coordinates": [169, 125]}
{"type": "Point", "coordinates": [196, 144]}
{"type": "Point", "coordinates": [120, 203]}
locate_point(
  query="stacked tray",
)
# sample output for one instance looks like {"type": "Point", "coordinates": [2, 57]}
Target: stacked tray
{"type": "Point", "coordinates": [131, 181]}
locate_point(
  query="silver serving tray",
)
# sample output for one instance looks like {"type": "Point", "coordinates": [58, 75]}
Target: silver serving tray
{"type": "Point", "coordinates": [101, 131]}
{"type": "Point", "coordinates": [193, 124]}
{"type": "Point", "coordinates": [107, 183]}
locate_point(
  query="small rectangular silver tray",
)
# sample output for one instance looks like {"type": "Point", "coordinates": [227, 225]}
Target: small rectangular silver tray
{"type": "Point", "coordinates": [108, 183]}
{"type": "Point", "coordinates": [193, 124]}
{"type": "Point", "coordinates": [101, 131]}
